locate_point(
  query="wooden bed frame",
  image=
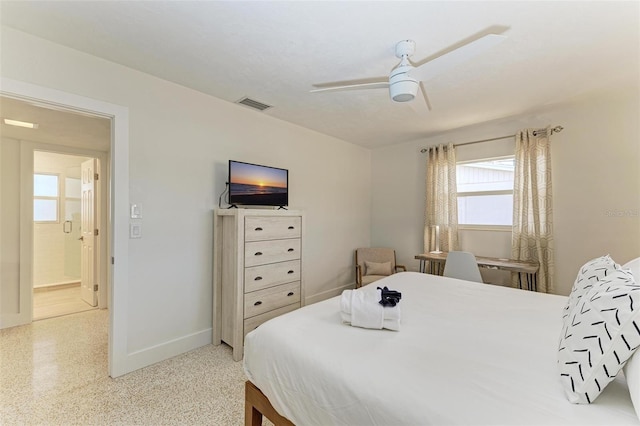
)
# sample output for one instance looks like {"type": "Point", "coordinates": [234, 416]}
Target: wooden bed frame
{"type": "Point", "coordinates": [256, 405]}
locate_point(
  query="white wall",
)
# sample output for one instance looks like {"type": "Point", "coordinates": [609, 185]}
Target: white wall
{"type": "Point", "coordinates": [9, 226]}
{"type": "Point", "coordinates": [596, 184]}
{"type": "Point", "coordinates": [180, 142]}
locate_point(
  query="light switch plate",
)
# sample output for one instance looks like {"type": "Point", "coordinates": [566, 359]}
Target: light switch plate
{"type": "Point", "coordinates": [136, 211]}
{"type": "Point", "coordinates": [135, 230]}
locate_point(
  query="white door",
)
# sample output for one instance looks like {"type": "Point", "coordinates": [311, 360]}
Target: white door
{"type": "Point", "coordinates": [88, 270]}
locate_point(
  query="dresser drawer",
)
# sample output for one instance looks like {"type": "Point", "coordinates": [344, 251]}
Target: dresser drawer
{"type": "Point", "coordinates": [263, 252]}
{"type": "Point", "coordinates": [263, 276]}
{"type": "Point", "coordinates": [268, 299]}
{"type": "Point", "coordinates": [259, 228]}
{"type": "Point", "coordinates": [253, 322]}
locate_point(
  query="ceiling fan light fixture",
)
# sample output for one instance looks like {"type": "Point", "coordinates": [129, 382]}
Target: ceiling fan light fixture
{"type": "Point", "coordinates": [402, 88]}
{"type": "Point", "coordinates": [405, 79]}
{"type": "Point", "coordinates": [403, 97]}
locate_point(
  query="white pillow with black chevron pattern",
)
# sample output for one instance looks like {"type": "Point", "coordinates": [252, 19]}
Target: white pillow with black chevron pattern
{"type": "Point", "coordinates": [588, 275]}
{"type": "Point", "coordinates": [601, 333]}
{"type": "Point", "coordinates": [632, 367]}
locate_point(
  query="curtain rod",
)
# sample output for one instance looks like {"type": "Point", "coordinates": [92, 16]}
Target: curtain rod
{"type": "Point", "coordinates": [556, 129]}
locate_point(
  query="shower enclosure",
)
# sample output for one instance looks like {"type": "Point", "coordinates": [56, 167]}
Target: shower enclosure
{"type": "Point", "coordinates": [56, 208]}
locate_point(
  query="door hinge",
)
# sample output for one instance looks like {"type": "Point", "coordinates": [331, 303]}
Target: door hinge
{"type": "Point", "coordinates": [95, 287]}
{"type": "Point", "coordinates": [96, 176]}
{"type": "Point", "coordinates": [95, 232]}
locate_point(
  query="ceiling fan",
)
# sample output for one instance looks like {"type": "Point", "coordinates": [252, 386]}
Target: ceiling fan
{"type": "Point", "coordinates": [404, 81]}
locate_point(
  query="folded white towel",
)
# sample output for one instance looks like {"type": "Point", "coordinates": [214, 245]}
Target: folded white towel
{"type": "Point", "coordinates": [361, 308]}
{"type": "Point", "coordinates": [366, 312]}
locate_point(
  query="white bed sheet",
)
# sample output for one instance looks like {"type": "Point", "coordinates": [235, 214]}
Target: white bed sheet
{"type": "Point", "coordinates": [466, 354]}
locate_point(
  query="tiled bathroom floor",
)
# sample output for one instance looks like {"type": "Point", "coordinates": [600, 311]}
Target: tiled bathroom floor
{"type": "Point", "coordinates": [57, 301]}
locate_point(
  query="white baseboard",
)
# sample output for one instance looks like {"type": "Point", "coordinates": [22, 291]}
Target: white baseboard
{"type": "Point", "coordinates": [163, 351]}
{"type": "Point", "coordinates": [328, 294]}
{"type": "Point", "coordinates": [148, 356]}
{"type": "Point", "coordinates": [53, 286]}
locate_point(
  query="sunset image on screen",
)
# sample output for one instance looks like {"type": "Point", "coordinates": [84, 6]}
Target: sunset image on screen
{"type": "Point", "coordinates": [258, 185]}
{"type": "Point", "coordinates": [250, 174]}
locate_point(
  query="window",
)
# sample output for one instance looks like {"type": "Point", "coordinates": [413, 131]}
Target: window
{"type": "Point", "coordinates": [72, 198]}
{"type": "Point", "coordinates": [485, 192]}
{"type": "Point", "coordinates": [45, 197]}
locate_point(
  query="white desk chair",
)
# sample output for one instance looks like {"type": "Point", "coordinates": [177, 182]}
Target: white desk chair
{"type": "Point", "coordinates": [462, 265]}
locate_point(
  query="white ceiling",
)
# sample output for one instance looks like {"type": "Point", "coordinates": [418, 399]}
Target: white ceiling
{"type": "Point", "coordinates": [275, 51]}
{"type": "Point", "coordinates": [55, 126]}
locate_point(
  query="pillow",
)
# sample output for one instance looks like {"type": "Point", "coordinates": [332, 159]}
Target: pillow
{"type": "Point", "coordinates": [634, 267]}
{"type": "Point", "coordinates": [601, 333]}
{"type": "Point", "coordinates": [632, 374]}
{"type": "Point", "coordinates": [589, 274]}
{"type": "Point", "coordinates": [373, 268]}
{"type": "Point", "coordinates": [632, 367]}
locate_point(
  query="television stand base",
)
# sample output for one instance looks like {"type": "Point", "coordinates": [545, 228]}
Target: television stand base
{"type": "Point", "coordinates": [232, 206]}
{"type": "Point", "coordinates": [282, 208]}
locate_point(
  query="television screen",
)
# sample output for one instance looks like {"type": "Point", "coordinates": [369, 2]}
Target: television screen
{"type": "Point", "coordinates": [256, 185]}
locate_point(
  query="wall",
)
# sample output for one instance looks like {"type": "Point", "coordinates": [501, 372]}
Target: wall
{"type": "Point", "coordinates": [56, 255]}
{"type": "Point", "coordinates": [180, 142]}
{"type": "Point", "coordinates": [596, 184]}
{"type": "Point", "coordinates": [9, 226]}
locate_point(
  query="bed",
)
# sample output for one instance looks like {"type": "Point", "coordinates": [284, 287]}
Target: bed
{"type": "Point", "coordinates": [466, 353]}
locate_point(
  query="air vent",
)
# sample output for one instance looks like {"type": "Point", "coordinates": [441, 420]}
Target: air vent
{"type": "Point", "coordinates": [251, 103]}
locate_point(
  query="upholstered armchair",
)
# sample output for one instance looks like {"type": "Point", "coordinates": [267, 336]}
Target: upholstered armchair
{"type": "Point", "coordinates": [375, 263]}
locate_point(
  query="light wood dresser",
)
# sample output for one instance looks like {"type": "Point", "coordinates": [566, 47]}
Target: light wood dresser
{"type": "Point", "coordinates": [257, 270]}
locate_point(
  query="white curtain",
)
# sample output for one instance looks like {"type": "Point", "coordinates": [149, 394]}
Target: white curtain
{"type": "Point", "coordinates": [442, 199]}
{"type": "Point", "coordinates": [532, 236]}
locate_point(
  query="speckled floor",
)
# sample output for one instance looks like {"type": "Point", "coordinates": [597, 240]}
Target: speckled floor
{"type": "Point", "coordinates": [54, 372]}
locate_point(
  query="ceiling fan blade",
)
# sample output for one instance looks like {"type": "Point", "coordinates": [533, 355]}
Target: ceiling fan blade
{"type": "Point", "coordinates": [356, 86]}
{"type": "Point", "coordinates": [421, 104]}
{"type": "Point", "coordinates": [442, 63]}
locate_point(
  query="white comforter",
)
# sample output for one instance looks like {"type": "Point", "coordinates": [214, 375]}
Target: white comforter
{"type": "Point", "coordinates": [466, 353]}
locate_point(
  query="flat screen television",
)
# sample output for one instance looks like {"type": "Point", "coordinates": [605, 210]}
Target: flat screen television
{"type": "Point", "coordinates": [256, 185]}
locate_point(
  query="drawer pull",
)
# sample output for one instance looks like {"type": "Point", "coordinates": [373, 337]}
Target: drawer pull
{"type": "Point", "coordinates": [258, 253]}
{"type": "Point", "coordinates": [290, 250]}
{"type": "Point", "coordinates": [290, 293]}
{"type": "Point", "coordinates": [257, 278]}
{"type": "Point", "coordinates": [258, 229]}
{"type": "Point", "coordinates": [258, 303]}
{"type": "Point", "coordinates": [291, 227]}
{"type": "Point", "coordinates": [290, 272]}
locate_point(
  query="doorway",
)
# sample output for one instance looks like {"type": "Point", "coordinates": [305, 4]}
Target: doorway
{"type": "Point", "coordinates": [63, 262]}
{"type": "Point", "coordinates": [16, 289]}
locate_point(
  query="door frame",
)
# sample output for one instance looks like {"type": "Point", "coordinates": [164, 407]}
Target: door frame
{"type": "Point", "coordinates": [117, 221]}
